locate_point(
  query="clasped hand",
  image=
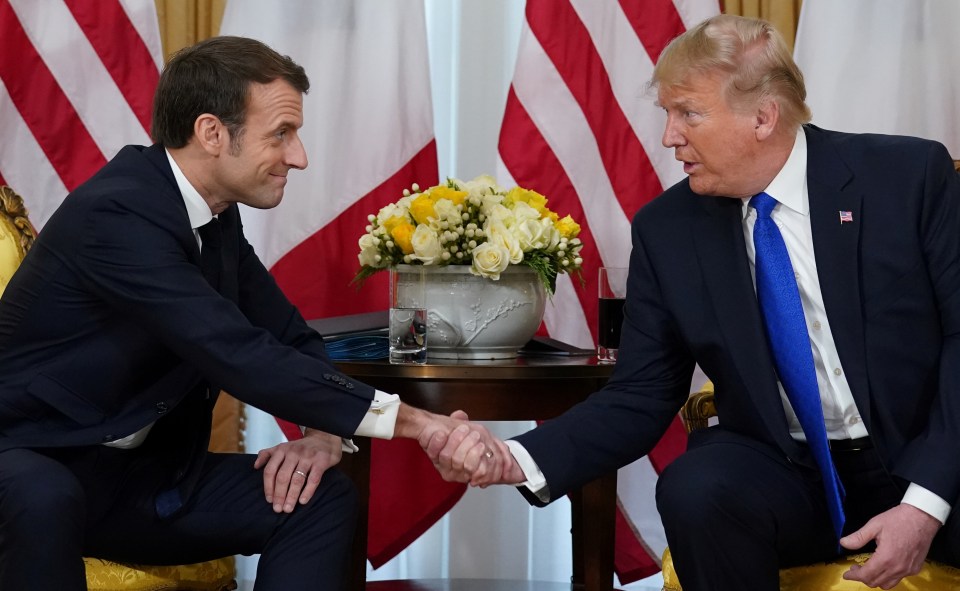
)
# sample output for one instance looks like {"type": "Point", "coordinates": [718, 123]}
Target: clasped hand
{"type": "Point", "coordinates": [467, 452]}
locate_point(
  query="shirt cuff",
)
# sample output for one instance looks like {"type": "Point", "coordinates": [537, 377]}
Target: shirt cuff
{"type": "Point", "coordinates": [928, 502]}
{"type": "Point", "coordinates": [381, 419]}
{"type": "Point", "coordinates": [535, 482]}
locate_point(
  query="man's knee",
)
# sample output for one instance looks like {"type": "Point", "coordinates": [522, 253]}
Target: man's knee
{"type": "Point", "coordinates": [338, 489]}
{"type": "Point", "coordinates": [696, 490]}
{"type": "Point", "coordinates": [35, 490]}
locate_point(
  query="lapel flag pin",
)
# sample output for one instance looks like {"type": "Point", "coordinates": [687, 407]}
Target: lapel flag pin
{"type": "Point", "coordinates": [846, 216]}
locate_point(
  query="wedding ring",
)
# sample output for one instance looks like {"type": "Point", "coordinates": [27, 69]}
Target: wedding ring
{"type": "Point", "coordinates": [300, 472]}
{"type": "Point", "coordinates": [488, 454]}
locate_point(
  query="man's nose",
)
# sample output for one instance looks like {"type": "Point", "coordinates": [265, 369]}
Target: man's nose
{"type": "Point", "coordinates": [671, 135]}
{"type": "Point", "coordinates": [296, 156]}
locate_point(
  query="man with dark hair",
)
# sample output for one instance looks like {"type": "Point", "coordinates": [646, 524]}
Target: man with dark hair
{"type": "Point", "coordinates": [138, 303]}
{"type": "Point", "coordinates": [813, 275]}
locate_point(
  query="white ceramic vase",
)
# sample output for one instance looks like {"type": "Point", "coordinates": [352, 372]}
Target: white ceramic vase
{"type": "Point", "coordinates": [470, 317]}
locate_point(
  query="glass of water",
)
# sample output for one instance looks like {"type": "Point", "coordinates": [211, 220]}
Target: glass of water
{"type": "Point", "coordinates": [408, 316]}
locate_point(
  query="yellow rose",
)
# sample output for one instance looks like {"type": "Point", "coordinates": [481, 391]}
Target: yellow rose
{"type": "Point", "coordinates": [403, 236]}
{"type": "Point", "coordinates": [422, 208]}
{"type": "Point", "coordinates": [531, 198]}
{"type": "Point", "coordinates": [392, 222]}
{"type": "Point", "coordinates": [568, 228]}
{"type": "Point", "coordinates": [445, 192]}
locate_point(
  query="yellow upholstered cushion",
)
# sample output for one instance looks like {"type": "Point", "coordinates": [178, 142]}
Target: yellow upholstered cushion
{"type": "Point", "coordinates": [10, 252]}
{"type": "Point", "coordinates": [215, 575]}
{"type": "Point", "coordinates": [829, 576]}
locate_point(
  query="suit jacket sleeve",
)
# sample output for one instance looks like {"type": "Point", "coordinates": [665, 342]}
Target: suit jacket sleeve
{"type": "Point", "coordinates": [929, 458]}
{"type": "Point", "coordinates": [625, 419]}
{"type": "Point", "coordinates": [142, 263]}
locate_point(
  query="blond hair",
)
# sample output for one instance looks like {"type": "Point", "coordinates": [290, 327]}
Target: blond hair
{"type": "Point", "coordinates": [752, 56]}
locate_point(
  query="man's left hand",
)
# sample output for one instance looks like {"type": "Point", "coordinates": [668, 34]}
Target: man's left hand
{"type": "Point", "coordinates": [903, 536]}
{"type": "Point", "coordinates": [292, 470]}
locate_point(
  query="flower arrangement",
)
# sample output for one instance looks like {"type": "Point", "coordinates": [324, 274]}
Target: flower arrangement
{"type": "Point", "coordinates": [474, 223]}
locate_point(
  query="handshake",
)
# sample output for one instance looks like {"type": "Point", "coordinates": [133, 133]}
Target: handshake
{"type": "Point", "coordinates": [461, 451]}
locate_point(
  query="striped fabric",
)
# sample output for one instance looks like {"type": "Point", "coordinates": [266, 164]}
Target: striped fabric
{"type": "Point", "coordinates": [76, 85]}
{"type": "Point", "coordinates": [581, 127]}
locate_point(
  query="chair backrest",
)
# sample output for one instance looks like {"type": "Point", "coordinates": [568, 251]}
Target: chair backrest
{"type": "Point", "coordinates": [16, 234]}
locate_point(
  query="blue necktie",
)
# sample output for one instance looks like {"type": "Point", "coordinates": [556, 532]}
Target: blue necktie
{"type": "Point", "coordinates": [782, 311]}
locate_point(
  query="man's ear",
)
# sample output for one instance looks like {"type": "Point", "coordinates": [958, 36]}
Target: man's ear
{"type": "Point", "coordinates": [211, 134]}
{"type": "Point", "coordinates": [768, 115]}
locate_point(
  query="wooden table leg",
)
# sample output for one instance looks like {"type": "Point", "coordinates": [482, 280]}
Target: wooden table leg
{"type": "Point", "coordinates": [593, 519]}
{"type": "Point", "coordinates": [357, 467]}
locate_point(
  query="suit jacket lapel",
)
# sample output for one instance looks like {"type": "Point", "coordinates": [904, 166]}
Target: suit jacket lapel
{"type": "Point", "coordinates": [836, 246]}
{"type": "Point", "coordinates": [722, 254]}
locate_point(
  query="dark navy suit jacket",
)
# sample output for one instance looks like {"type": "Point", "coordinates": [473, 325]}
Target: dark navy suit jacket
{"type": "Point", "coordinates": [109, 325]}
{"type": "Point", "coordinates": [891, 286]}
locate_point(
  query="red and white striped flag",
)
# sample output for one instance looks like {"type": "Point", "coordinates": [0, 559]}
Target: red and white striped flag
{"type": "Point", "coordinates": [580, 128]}
{"type": "Point", "coordinates": [76, 84]}
{"type": "Point", "coordinates": [368, 132]}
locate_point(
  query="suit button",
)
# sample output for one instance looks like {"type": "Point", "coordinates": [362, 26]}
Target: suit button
{"type": "Point", "coordinates": [108, 438]}
{"type": "Point", "coordinates": [162, 408]}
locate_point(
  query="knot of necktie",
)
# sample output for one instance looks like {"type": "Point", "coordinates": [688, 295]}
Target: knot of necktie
{"type": "Point", "coordinates": [210, 234]}
{"type": "Point", "coordinates": [763, 203]}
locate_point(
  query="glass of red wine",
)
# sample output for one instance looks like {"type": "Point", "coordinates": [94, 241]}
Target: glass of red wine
{"type": "Point", "coordinates": [613, 293]}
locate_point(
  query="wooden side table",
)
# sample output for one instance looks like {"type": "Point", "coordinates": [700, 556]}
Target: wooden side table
{"type": "Point", "coordinates": [526, 388]}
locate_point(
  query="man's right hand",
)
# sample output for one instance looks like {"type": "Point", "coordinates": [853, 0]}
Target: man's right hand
{"type": "Point", "coordinates": [460, 456]}
{"type": "Point", "coordinates": [483, 456]}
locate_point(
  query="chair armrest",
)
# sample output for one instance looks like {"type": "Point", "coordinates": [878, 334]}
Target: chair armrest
{"type": "Point", "coordinates": [699, 409]}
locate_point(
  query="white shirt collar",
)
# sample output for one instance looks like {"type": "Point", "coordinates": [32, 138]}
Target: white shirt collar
{"type": "Point", "coordinates": [789, 187]}
{"type": "Point", "coordinates": [197, 209]}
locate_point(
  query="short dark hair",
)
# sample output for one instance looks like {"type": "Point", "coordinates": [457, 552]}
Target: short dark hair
{"type": "Point", "coordinates": [214, 76]}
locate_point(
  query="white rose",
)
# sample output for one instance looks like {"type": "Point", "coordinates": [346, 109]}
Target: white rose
{"type": "Point", "coordinates": [498, 233]}
{"type": "Point", "coordinates": [497, 213]}
{"type": "Point", "coordinates": [368, 251]}
{"type": "Point", "coordinates": [489, 202]}
{"type": "Point", "coordinates": [392, 210]}
{"type": "Point", "coordinates": [489, 260]}
{"type": "Point", "coordinates": [426, 245]}
{"type": "Point", "coordinates": [480, 186]}
{"type": "Point", "coordinates": [536, 235]}
{"type": "Point", "coordinates": [523, 212]}
{"type": "Point", "coordinates": [447, 211]}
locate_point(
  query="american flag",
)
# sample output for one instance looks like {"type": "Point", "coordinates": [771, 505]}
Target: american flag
{"type": "Point", "coordinates": [76, 85]}
{"type": "Point", "coordinates": [846, 216]}
{"type": "Point", "coordinates": [581, 128]}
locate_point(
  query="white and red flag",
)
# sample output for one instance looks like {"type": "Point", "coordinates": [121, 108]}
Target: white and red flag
{"type": "Point", "coordinates": [893, 69]}
{"type": "Point", "coordinates": [581, 128]}
{"type": "Point", "coordinates": [76, 84]}
{"type": "Point", "coordinates": [368, 132]}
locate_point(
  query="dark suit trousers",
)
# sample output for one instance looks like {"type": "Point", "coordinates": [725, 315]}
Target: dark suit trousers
{"type": "Point", "coordinates": [57, 506]}
{"type": "Point", "coordinates": [735, 511]}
